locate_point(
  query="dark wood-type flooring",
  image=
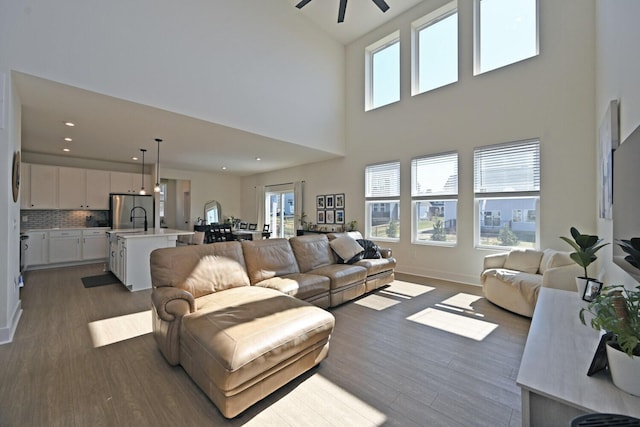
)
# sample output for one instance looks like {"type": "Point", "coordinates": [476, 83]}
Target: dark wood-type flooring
{"type": "Point", "coordinates": [383, 369]}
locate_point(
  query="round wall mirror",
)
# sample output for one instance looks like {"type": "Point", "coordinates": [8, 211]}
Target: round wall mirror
{"type": "Point", "coordinates": [212, 212]}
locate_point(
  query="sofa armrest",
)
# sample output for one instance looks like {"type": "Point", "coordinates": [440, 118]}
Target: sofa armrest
{"type": "Point", "coordinates": [171, 303]}
{"type": "Point", "coordinates": [494, 261]}
{"type": "Point", "coordinates": [562, 277]}
{"type": "Point", "coordinates": [386, 252]}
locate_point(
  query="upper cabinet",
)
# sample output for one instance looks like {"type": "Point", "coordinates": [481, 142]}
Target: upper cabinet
{"type": "Point", "coordinates": [43, 187]}
{"type": "Point", "coordinates": [98, 188]}
{"type": "Point", "coordinates": [125, 182]}
{"type": "Point", "coordinates": [72, 188]}
{"type": "Point", "coordinates": [25, 186]}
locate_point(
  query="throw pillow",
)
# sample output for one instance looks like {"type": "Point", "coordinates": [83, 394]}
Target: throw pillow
{"type": "Point", "coordinates": [212, 274]}
{"type": "Point", "coordinates": [346, 247]}
{"type": "Point", "coordinates": [526, 261]}
{"type": "Point", "coordinates": [371, 250]}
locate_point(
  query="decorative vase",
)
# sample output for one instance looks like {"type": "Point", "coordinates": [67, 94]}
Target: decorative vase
{"type": "Point", "coordinates": [625, 370]}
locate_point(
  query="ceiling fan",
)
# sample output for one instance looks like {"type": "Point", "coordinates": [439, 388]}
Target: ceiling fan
{"type": "Point", "coordinates": [343, 7]}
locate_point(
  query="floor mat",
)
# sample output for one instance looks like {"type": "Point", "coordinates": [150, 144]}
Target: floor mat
{"type": "Point", "coordinates": [99, 280]}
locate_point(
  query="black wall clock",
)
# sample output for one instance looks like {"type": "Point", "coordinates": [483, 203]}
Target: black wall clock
{"type": "Point", "coordinates": [15, 179]}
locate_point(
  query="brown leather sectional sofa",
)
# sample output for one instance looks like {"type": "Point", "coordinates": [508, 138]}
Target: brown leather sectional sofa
{"type": "Point", "coordinates": [254, 320]}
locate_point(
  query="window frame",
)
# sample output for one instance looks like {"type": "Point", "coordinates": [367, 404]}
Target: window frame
{"type": "Point", "coordinates": [477, 53]}
{"type": "Point", "coordinates": [420, 24]}
{"type": "Point", "coordinates": [374, 199]}
{"type": "Point", "coordinates": [532, 193]}
{"type": "Point", "coordinates": [370, 51]}
{"type": "Point", "coordinates": [438, 196]}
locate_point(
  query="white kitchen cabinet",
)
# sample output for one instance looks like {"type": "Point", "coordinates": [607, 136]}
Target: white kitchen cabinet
{"type": "Point", "coordinates": [94, 244]}
{"type": "Point", "coordinates": [43, 187]}
{"type": "Point", "coordinates": [37, 248]}
{"type": "Point", "coordinates": [64, 246]}
{"type": "Point", "coordinates": [98, 189]}
{"type": "Point", "coordinates": [25, 186]}
{"type": "Point", "coordinates": [72, 188]}
{"type": "Point", "coordinates": [125, 182]}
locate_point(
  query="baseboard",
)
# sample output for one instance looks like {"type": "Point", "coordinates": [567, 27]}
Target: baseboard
{"type": "Point", "coordinates": [441, 275]}
{"type": "Point", "coordinates": [6, 334]}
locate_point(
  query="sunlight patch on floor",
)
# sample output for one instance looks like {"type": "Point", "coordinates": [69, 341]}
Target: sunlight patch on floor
{"type": "Point", "coordinates": [116, 329]}
{"type": "Point", "coordinates": [454, 323]}
{"type": "Point", "coordinates": [376, 302]}
{"type": "Point", "coordinates": [319, 402]}
{"type": "Point", "coordinates": [405, 289]}
{"type": "Point", "coordinates": [462, 300]}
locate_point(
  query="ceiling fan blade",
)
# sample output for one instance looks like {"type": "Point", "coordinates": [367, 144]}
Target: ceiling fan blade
{"type": "Point", "coordinates": [302, 4]}
{"type": "Point", "coordinates": [342, 10]}
{"type": "Point", "coordinates": [382, 5]}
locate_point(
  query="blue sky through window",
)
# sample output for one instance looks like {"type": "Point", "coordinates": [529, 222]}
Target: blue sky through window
{"type": "Point", "coordinates": [438, 54]}
{"type": "Point", "coordinates": [386, 75]}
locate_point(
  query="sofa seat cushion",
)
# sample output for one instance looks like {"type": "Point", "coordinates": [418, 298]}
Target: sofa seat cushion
{"type": "Point", "coordinates": [241, 333]}
{"type": "Point", "coordinates": [375, 266]}
{"type": "Point", "coordinates": [342, 275]}
{"type": "Point", "coordinates": [299, 285]}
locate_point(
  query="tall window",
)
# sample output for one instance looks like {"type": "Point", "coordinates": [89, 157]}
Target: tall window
{"type": "Point", "coordinates": [280, 213]}
{"type": "Point", "coordinates": [382, 72]}
{"type": "Point", "coordinates": [505, 31]}
{"type": "Point", "coordinates": [507, 194]}
{"type": "Point", "coordinates": [382, 204]}
{"type": "Point", "coordinates": [435, 49]}
{"type": "Point", "coordinates": [434, 198]}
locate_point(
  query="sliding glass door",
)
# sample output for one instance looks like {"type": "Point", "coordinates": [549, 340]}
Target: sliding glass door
{"type": "Point", "coordinates": [280, 212]}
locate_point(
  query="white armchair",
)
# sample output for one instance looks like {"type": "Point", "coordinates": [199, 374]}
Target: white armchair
{"type": "Point", "coordinates": [512, 280]}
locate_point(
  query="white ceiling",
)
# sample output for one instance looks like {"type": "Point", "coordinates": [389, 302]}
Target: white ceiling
{"type": "Point", "coordinates": [114, 130]}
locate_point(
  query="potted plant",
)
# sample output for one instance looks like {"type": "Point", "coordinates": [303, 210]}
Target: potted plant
{"type": "Point", "coordinates": [585, 246]}
{"type": "Point", "coordinates": [353, 225]}
{"type": "Point", "coordinates": [617, 310]}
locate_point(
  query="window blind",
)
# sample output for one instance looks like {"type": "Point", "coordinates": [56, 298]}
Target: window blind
{"type": "Point", "coordinates": [435, 175]}
{"type": "Point", "coordinates": [382, 180]}
{"type": "Point", "coordinates": [509, 168]}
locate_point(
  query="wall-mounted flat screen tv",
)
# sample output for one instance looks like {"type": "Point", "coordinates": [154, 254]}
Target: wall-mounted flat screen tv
{"type": "Point", "coordinates": [626, 198]}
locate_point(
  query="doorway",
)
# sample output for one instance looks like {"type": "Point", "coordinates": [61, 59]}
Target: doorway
{"type": "Point", "coordinates": [175, 204]}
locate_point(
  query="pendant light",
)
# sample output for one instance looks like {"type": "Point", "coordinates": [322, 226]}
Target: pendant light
{"type": "Point", "coordinates": [142, 192]}
{"type": "Point", "coordinates": [156, 189]}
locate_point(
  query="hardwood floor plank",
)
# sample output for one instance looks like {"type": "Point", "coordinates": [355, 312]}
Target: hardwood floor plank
{"type": "Point", "coordinates": [382, 369]}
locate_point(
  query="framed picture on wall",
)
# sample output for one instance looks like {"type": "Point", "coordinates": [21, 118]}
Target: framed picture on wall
{"type": "Point", "coordinates": [339, 216]}
{"type": "Point", "coordinates": [329, 217]}
{"type": "Point", "coordinates": [320, 219]}
{"type": "Point", "coordinates": [319, 202]}
{"type": "Point", "coordinates": [339, 201]}
{"type": "Point", "coordinates": [329, 199]}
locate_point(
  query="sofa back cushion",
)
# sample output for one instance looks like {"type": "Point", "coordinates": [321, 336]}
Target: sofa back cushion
{"type": "Point", "coordinates": [527, 261]}
{"type": "Point", "coordinates": [553, 258]}
{"type": "Point", "coordinates": [312, 251]}
{"type": "Point", "coordinates": [172, 266]}
{"type": "Point", "coordinates": [268, 258]}
{"type": "Point", "coordinates": [214, 273]}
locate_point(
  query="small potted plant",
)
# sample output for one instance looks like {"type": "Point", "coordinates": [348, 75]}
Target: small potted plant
{"type": "Point", "coordinates": [617, 310]}
{"type": "Point", "coordinates": [353, 225]}
{"type": "Point", "coordinates": [585, 246]}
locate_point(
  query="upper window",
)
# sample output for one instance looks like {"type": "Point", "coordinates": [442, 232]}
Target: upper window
{"type": "Point", "coordinates": [382, 204]}
{"type": "Point", "coordinates": [434, 198]}
{"type": "Point", "coordinates": [507, 194]}
{"type": "Point", "coordinates": [435, 49]}
{"type": "Point", "coordinates": [382, 64]}
{"type": "Point", "coordinates": [506, 31]}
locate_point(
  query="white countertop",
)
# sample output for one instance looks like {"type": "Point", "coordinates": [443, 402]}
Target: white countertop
{"type": "Point", "coordinates": [28, 230]}
{"type": "Point", "coordinates": [140, 233]}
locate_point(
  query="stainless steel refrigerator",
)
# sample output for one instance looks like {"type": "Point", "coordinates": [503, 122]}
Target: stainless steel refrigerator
{"type": "Point", "coordinates": [130, 210]}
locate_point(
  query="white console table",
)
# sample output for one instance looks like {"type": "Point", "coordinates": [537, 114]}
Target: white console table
{"type": "Point", "coordinates": [553, 372]}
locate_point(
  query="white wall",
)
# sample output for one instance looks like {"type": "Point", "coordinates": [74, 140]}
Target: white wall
{"type": "Point", "coordinates": [618, 71]}
{"type": "Point", "coordinates": [551, 96]}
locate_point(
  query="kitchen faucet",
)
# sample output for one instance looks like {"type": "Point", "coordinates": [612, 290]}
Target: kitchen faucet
{"type": "Point", "coordinates": [131, 217]}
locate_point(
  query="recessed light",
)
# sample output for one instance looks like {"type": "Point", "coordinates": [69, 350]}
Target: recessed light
{"type": "Point", "coordinates": [70, 124]}
{"type": "Point", "coordinates": [68, 139]}
{"type": "Point", "coordinates": [66, 150]}
{"type": "Point", "coordinates": [134, 158]}
{"type": "Point", "coordinates": [224, 168]}
{"type": "Point", "coordinates": [258, 158]}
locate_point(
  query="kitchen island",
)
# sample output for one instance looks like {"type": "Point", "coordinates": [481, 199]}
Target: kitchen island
{"type": "Point", "coordinates": [129, 252]}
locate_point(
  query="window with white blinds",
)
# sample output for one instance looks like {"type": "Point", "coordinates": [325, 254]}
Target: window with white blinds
{"type": "Point", "coordinates": [434, 199]}
{"type": "Point", "coordinates": [507, 187]}
{"type": "Point", "coordinates": [382, 204]}
{"type": "Point", "coordinates": [508, 168]}
{"type": "Point", "coordinates": [382, 180]}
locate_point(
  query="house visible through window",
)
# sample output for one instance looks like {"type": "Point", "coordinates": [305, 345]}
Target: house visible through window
{"type": "Point", "coordinates": [435, 49]}
{"type": "Point", "coordinates": [382, 204]}
{"type": "Point", "coordinates": [382, 72]}
{"type": "Point", "coordinates": [505, 32]}
{"type": "Point", "coordinates": [507, 194]}
{"type": "Point", "coordinates": [434, 198]}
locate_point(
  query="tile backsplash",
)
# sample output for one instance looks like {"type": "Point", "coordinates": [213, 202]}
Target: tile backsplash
{"type": "Point", "coordinates": [30, 219]}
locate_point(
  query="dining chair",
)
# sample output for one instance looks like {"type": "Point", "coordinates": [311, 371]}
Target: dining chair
{"type": "Point", "coordinates": [243, 225]}
{"type": "Point", "coordinates": [265, 231]}
{"type": "Point", "coordinates": [217, 233]}
{"type": "Point", "coordinates": [228, 233]}
{"type": "Point", "coordinates": [253, 227]}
